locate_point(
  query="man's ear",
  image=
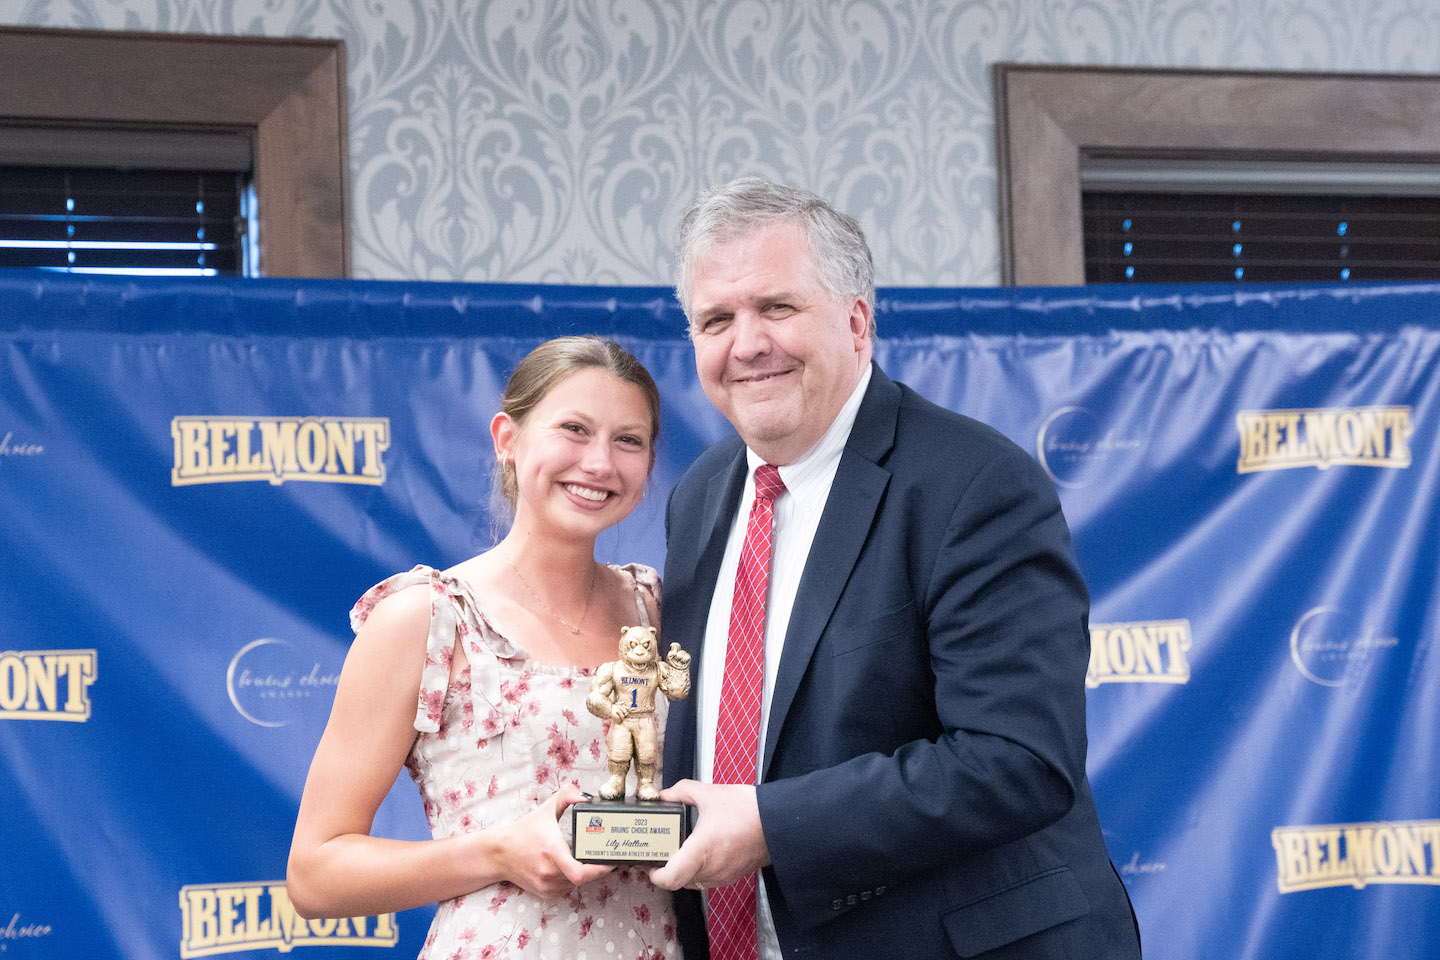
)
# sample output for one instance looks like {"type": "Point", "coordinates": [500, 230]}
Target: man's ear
{"type": "Point", "coordinates": [861, 314]}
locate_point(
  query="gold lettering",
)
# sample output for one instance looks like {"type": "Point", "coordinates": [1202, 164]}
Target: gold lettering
{"type": "Point", "coordinates": [1397, 422]}
{"type": "Point", "coordinates": [277, 447]}
{"type": "Point", "coordinates": [1359, 854]}
{"type": "Point", "coordinates": [375, 436]}
{"type": "Point", "coordinates": [232, 917]}
{"type": "Point", "coordinates": [213, 450]}
{"type": "Point", "coordinates": [79, 670]}
{"type": "Point", "coordinates": [1387, 851]}
{"type": "Point", "coordinates": [1320, 426]}
{"type": "Point", "coordinates": [1122, 650]}
{"type": "Point", "coordinates": [339, 445]}
{"type": "Point", "coordinates": [310, 446]}
{"type": "Point", "coordinates": [30, 686]}
{"type": "Point", "coordinates": [247, 460]}
{"type": "Point", "coordinates": [323, 926]}
{"type": "Point", "coordinates": [1177, 645]}
{"type": "Point", "coordinates": [221, 459]}
{"type": "Point", "coordinates": [1412, 851]}
{"type": "Point", "coordinates": [1356, 854]}
{"type": "Point", "coordinates": [1348, 433]}
{"type": "Point", "coordinates": [1148, 643]}
{"type": "Point", "coordinates": [1314, 853]}
{"type": "Point", "coordinates": [257, 928]}
{"type": "Point", "coordinates": [192, 458]}
{"type": "Point", "coordinates": [230, 899]}
{"type": "Point", "coordinates": [1290, 848]}
{"type": "Point", "coordinates": [1252, 439]}
{"type": "Point", "coordinates": [1363, 436]}
{"type": "Point", "coordinates": [13, 682]}
{"type": "Point", "coordinates": [41, 682]}
{"type": "Point", "coordinates": [1273, 436]}
{"type": "Point", "coordinates": [1153, 651]}
{"type": "Point", "coordinates": [288, 924]}
{"type": "Point", "coordinates": [202, 929]}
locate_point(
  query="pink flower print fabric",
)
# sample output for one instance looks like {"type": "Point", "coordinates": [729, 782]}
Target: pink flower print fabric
{"type": "Point", "coordinates": [493, 744]}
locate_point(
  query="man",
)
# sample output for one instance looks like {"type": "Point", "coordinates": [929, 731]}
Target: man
{"type": "Point", "coordinates": [891, 637]}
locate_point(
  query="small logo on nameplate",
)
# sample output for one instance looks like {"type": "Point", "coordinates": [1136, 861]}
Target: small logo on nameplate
{"type": "Point", "coordinates": [1357, 854]}
{"type": "Point", "coordinates": [277, 449]}
{"type": "Point", "coordinates": [1323, 438]}
{"type": "Point", "coordinates": [46, 684]}
{"type": "Point", "coordinates": [235, 917]}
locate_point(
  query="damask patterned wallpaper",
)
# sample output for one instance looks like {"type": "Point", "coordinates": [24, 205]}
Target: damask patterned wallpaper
{"type": "Point", "coordinates": [556, 141]}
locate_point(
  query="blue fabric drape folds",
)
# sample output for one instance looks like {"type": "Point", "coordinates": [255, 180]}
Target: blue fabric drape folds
{"type": "Point", "coordinates": [198, 479]}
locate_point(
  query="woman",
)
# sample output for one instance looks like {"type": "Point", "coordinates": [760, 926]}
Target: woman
{"type": "Point", "coordinates": [490, 662]}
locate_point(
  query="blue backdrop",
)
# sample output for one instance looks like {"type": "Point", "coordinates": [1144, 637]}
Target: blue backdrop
{"type": "Point", "coordinates": [199, 478]}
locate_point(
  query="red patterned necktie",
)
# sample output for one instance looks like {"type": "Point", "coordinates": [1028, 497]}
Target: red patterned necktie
{"type": "Point", "coordinates": [731, 909]}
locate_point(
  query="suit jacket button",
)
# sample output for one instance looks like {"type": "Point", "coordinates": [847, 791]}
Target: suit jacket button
{"type": "Point", "coordinates": [836, 905]}
{"type": "Point", "coordinates": [880, 890]}
{"type": "Point", "coordinates": [865, 895]}
{"type": "Point", "coordinates": [851, 900]}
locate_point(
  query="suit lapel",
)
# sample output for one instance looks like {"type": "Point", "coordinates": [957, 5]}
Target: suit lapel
{"type": "Point", "coordinates": [845, 523]}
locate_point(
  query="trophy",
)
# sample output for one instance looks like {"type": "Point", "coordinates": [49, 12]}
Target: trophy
{"type": "Point", "coordinates": [642, 829]}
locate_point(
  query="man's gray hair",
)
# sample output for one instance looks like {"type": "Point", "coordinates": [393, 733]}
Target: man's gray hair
{"type": "Point", "coordinates": [749, 204]}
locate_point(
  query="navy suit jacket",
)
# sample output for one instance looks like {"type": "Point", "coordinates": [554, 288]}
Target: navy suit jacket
{"type": "Point", "coordinates": [923, 789]}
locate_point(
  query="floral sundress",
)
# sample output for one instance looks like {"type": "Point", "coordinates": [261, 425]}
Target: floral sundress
{"type": "Point", "coordinates": [493, 744]}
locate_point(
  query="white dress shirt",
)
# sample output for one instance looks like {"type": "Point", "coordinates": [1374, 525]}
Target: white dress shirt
{"type": "Point", "coordinates": [796, 518]}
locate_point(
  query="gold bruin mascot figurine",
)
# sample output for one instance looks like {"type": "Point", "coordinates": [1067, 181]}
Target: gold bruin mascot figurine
{"type": "Point", "coordinates": [623, 692]}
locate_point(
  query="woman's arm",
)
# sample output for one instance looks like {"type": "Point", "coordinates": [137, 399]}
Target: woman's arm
{"type": "Point", "coordinates": [336, 868]}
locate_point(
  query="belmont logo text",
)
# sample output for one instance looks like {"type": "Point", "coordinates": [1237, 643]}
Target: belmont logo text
{"type": "Point", "coordinates": [46, 684]}
{"type": "Point", "coordinates": [327, 449]}
{"type": "Point", "coordinates": [1150, 651]}
{"type": "Point", "coordinates": [1359, 436]}
{"type": "Point", "coordinates": [235, 917]}
{"type": "Point", "coordinates": [1357, 854]}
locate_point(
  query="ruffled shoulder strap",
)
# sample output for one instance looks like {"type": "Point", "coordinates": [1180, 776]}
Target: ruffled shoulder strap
{"type": "Point", "coordinates": [454, 615]}
{"type": "Point", "coordinates": [647, 582]}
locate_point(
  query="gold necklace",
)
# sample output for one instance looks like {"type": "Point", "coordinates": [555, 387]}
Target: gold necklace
{"type": "Point", "coordinates": [566, 623]}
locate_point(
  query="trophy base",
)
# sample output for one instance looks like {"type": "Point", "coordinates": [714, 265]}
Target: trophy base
{"type": "Point", "coordinates": [628, 831]}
